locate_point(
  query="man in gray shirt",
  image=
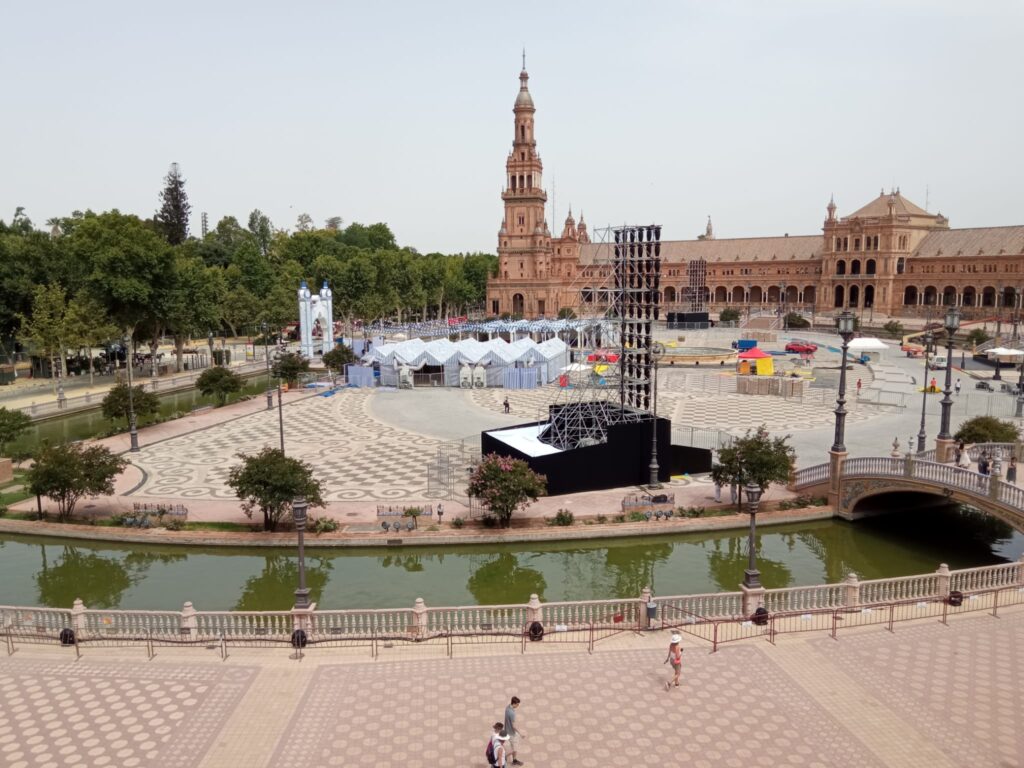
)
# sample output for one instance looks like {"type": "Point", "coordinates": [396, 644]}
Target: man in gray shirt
{"type": "Point", "coordinates": [511, 729]}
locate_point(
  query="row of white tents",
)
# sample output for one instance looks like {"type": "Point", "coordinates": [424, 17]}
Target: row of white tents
{"type": "Point", "coordinates": [416, 353]}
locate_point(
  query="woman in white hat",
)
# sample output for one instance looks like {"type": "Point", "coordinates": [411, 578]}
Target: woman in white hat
{"type": "Point", "coordinates": [501, 749]}
{"type": "Point", "coordinates": [675, 655]}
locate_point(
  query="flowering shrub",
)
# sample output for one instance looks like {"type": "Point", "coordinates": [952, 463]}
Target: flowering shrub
{"type": "Point", "coordinates": [505, 485]}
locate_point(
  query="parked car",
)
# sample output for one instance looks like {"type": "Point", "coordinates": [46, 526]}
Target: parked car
{"type": "Point", "coordinates": [984, 385]}
{"type": "Point", "coordinates": [801, 347]}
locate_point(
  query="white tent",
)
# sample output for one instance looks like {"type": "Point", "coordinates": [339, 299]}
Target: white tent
{"type": "Point", "coordinates": [868, 346]}
{"type": "Point", "coordinates": [1001, 352]}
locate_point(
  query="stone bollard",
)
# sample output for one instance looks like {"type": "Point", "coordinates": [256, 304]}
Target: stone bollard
{"type": "Point", "coordinates": [944, 580]}
{"type": "Point", "coordinates": [993, 480]}
{"type": "Point", "coordinates": [851, 589]}
{"type": "Point", "coordinates": [419, 619]}
{"type": "Point", "coordinates": [188, 624]}
{"type": "Point", "coordinates": [534, 610]}
{"type": "Point", "coordinates": [78, 616]}
{"type": "Point", "coordinates": [908, 463]}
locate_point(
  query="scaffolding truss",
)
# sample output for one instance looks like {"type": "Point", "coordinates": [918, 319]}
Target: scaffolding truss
{"type": "Point", "coordinates": [620, 291]}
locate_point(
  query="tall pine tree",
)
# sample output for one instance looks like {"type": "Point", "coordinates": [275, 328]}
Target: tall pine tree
{"type": "Point", "coordinates": [174, 207]}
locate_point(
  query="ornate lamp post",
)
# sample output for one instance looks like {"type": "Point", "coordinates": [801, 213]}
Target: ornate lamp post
{"type": "Point", "coordinates": [299, 508]}
{"type": "Point", "coordinates": [782, 302]}
{"type": "Point", "coordinates": [752, 576]}
{"type": "Point", "coordinates": [945, 440]}
{"type": "Point", "coordinates": [133, 434]}
{"type": "Point", "coordinates": [1020, 390]}
{"type": "Point", "coordinates": [657, 350]}
{"type": "Point", "coordinates": [62, 400]}
{"type": "Point", "coordinates": [928, 339]}
{"type": "Point", "coordinates": [845, 324]}
{"type": "Point", "coordinates": [266, 353]}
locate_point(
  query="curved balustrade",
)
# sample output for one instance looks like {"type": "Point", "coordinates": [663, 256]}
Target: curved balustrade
{"type": "Point", "coordinates": [805, 598]}
{"type": "Point", "coordinates": [988, 577]}
{"type": "Point", "coordinates": [951, 476]}
{"type": "Point", "coordinates": [905, 588]}
{"type": "Point", "coordinates": [872, 466]}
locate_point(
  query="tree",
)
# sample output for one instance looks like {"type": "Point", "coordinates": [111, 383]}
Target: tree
{"type": "Point", "coordinates": [977, 336]}
{"type": "Point", "coordinates": [987, 429]}
{"type": "Point", "coordinates": [505, 485]}
{"type": "Point", "coordinates": [269, 481]}
{"type": "Point", "coordinates": [333, 224]}
{"type": "Point", "coordinates": [261, 229]}
{"type": "Point", "coordinates": [729, 315]}
{"type": "Point", "coordinates": [89, 326]}
{"type": "Point", "coordinates": [190, 303]}
{"type": "Point", "coordinates": [338, 358]}
{"type": "Point", "coordinates": [304, 223]}
{"type": "Point", "coordinates": [115, 403]}
{"type": "Point", "coordinates": [796, 320]}
{"type": "Point", "coordinates": [47, 328]}
{"type": "Point", "coordinates": [174, 207]}
{"type": "Point", "coordinates": [240, 306]}
{"type": "Point", "coordinates": [12, 425]}
{"type": "Point", "coordinates": [566, 313]}
{"type": "Point", "coordinates": [290, 366]}
{"type": "Point", "coordinates": [754, 458]}
{"type": "Point", "coordinates": [219, 382]}
{"type": "Point", "coordinates": [894, 328]}
{"type": "Point", "coordinates": [65, 473]}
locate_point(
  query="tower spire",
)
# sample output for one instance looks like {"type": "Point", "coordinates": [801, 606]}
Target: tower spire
{"type": "Point", "coordinates": [524, 58]}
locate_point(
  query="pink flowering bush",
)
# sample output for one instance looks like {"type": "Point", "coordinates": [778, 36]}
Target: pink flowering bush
{"type": "Point", "coordinates": [505, 485]}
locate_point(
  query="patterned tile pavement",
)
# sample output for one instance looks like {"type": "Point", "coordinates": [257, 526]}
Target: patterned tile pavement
{"type": "Point", "coordinates": [924, 695]}
{"type": "Point", "coordinates": [95, 713]}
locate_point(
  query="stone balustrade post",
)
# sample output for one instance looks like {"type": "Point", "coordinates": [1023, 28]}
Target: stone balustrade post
{"type": "Point", "coordinates": [302, 618]}
{"type": "Point", "coordinates": [851, 589]}
{"type": "Point", "coordinates": [944, 580]}
{"type": "Point", "coordinates": [534, 610]}
{"type": "Point", "coordinates": [645, 598]}
{"type": "Point", "coordinates": [419, 618]}
{"type": "Point", "coordinates": [993, 480]}
{"type": "Point", "coordinates": [188, 625]}
{"type": "Point", "coordinates": [835, 484]}
{"type": "Point", "coordinates": [908, 464]}
{"type": "Point", "coordinates": [78, 616]}
{"type": "Point", "coordinates": [1020, 569]}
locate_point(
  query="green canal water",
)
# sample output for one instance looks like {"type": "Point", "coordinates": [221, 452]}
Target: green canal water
{"type": "Point", "coordinates": [86, 424]}
{"type": "Point", "coordinates": [53, 572]}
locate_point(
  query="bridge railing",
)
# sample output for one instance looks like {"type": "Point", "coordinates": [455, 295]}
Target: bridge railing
{"type": "Point", "coordinates": [819, 473]}
{"type": "Point", "coordinates": [1011, 495]}
{"type": "Point", "coordinates": [873, 466]}
{"type": "Point", "coordinates": [949, 475]}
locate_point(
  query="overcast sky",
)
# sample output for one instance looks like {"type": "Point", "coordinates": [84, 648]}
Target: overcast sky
{"type": "Point", "coordinates": [752, 112]}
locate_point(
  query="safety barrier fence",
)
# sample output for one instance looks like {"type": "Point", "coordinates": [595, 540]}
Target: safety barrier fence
{"type": "Point", "coordinates": [716, 617]}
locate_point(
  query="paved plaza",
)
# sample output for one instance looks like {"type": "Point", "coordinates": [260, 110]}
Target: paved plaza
{"type": "Point", "coordinates": [924, 695]}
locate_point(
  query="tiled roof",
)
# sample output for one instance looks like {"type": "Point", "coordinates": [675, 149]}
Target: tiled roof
{"type": "Point", "coordinates": [722, 251]}
{"type": "Point", "coordinates": [880, 207]}
{"type": "Point", "coordinates": [990, 241]}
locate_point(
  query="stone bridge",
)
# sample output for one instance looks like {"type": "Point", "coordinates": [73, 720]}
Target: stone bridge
{"type": "Point", "coordinates": [862, 477]}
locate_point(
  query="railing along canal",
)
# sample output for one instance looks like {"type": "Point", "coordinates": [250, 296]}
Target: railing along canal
{"type": "Point", "coordinates": [716, 617]}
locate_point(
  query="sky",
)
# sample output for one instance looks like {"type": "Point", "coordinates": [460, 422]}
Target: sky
{"type": "Point", "coordinates": [751, 112]}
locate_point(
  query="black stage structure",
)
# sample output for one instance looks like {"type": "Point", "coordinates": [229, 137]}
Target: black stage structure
{"type": "Point", "coordinates": [604, 437]}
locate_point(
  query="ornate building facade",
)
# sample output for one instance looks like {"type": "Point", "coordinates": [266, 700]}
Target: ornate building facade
{"type": "Point", "coordinates": [889, 256]}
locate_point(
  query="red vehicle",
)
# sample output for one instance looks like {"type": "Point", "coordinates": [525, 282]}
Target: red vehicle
{"type": "Point", "coordinates": [802, 347]}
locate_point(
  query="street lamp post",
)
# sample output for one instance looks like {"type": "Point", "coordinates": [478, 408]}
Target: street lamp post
{"type": "Point", "coordinates": [845, 326]}
{"type": "Point", "coordinates": [752, 576]}
{"type": "Point", "coordinates": [266, 353]}
{"type": "Point", "coordinates": [945, 439]}
{"type": "Point", "coordinates": [928, 339]}
{"type": "Point", "coordinates": [1020, 390]}
{"type": "Point", "coordinates": [62, 400]}
{"type": "Point", "coordinates": [782, 303]}
{"type": "Point", "coordinates": [133, 434]}
{"type": "Point", "coordinates": [299, 508]}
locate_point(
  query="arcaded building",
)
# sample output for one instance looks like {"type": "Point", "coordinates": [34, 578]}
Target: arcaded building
{"type": "Point", "coordinates": [890, 256]}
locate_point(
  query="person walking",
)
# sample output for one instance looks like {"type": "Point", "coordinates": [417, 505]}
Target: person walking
{"type": "Point", "coordinates": [501, 750]}
{"type": "Point", "coordinates": [675, 656]}
{"type": "Point", "coordinates": [858, 387]}
{"type": "Point", "coordinates": [957, 387]}
{"type": "Point", "coordinates": [718, 492]}
{"type": "Point", "coordinates": [492, 744]}
{"type": "Point", "coordinates": [1011, 470]}
{"type": "Point", "coordinates": [512, 731]}
{"type": "Point", "coordinates": [505, 404]}
{"type": "Point", "coordinates": [983, 464]}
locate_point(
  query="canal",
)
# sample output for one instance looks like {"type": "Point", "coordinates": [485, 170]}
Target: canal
{"type": "Point", "coordinates": [53, 572]}
{"type": "Point", "coordinates": [87, 424]}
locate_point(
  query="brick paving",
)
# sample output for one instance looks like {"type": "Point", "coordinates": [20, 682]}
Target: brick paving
{"type": "Point", "coordinates": [924, 695]}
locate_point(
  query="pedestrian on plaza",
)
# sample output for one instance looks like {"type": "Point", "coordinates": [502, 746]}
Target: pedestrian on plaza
{"type": "Point", "coordinates": [512, 732]}
{"type": "Point", "coordinates": [506, 405]}
{"type": "Point", "coordinates": [957, 455]}
{"type": "Point", "coordinates": [1011, 470]}
{"type": "Point", "coordinates": [858, 387]}
{"type": "Point", "coordinates": [492, 744]}
{"type": "Point", "coordinates": [983, 464]}
{"type": "Point", "coordinates": [733, 490]}
{"type": "Point", "coordinates": [718, 492]}
{"type": "Point", "coordinates": [675, 656]}
{"type": "Point", "coordinates": [501, 750]}
{"type": "Point", "coordinates": [934, 386]}
{"type": "Point", "coordinates": [957, 387]}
